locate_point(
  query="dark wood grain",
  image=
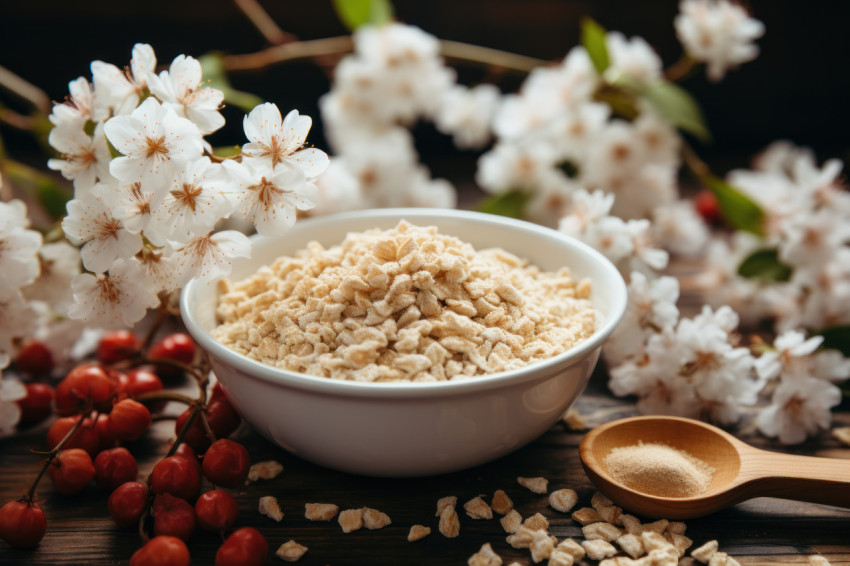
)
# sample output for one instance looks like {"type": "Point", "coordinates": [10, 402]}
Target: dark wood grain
{"type": "Point", "coordinates": [764, 531]}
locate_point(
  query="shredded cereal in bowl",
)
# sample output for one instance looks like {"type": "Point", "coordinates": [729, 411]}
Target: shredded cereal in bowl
{"type": "Point", "coordinates": [405, 304]}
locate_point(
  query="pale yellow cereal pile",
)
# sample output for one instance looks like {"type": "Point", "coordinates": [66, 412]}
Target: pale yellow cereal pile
{"type": "Point", "coordinates": [403, 304]}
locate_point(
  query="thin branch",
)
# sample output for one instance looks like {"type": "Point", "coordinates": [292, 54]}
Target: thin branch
{"type": "Point", "coordinates": [344, 44]}
{"type": "Point", "coordinates": [264, 22]}
{"type": "Point", "coordinates": [25, 89]}
{"type": "Point", "coordinates": [681, 69]}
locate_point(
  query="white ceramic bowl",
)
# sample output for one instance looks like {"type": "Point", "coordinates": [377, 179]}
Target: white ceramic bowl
{"type": "Point", "coordinates": [411, 429]}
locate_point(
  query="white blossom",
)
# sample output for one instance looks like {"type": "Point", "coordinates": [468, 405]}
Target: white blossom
{"type": "Point", "coordinates": [117, 92]}
{"type": "Point", "coordinates": [466, 114]}
{"type": "Point", "coordinates": [17, 316]}
{"type": "Point", "coordinates": [339, 190]}
{"type": "Point", "coordinates": [208, 257]}
{"type": "Point", "coordinates": [19, 247]}
{"type": "Point", "coordinates": [77, 108]}
{"type": "Point", "coordinates": [633, 58]}
{"type": "Point", "coordinates": [159, 268]}
{"type": "Point", "coordinates": [280, 140]}
{"type": "Point", "coordinates": [799, 408]}
{"type": "Point", "coordinates": [196, 198]}
{"type": "Point", "coordinates": [92, 224]}
{"type": "Point", "coordinates": [151, 139]}
{"type": "Point", "coordinates": [269, 197]}
{"type": "Point", "coordinates": [181, 88]}
{"type": "Point", "coordinates": [11, 390]}
{"type": "Point", "coordinates": [60, 263]}
{"type": "Point", "coordinates": [718, 33]}
{"type": "Point", "coordinates": [118, 298]}
{"type": "Point", "coordinates": [679, 227]}
{"type": "Point", "coordinates": [84, 159]}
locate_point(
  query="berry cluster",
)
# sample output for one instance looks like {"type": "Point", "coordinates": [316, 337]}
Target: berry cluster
{"type": "Point", "coordinates": [103, 404]}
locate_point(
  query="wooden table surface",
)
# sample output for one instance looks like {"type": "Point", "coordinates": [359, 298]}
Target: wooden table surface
{"type": "Point", "coordinates": [762, 531]}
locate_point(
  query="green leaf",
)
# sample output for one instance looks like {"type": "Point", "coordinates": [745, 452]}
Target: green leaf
{"type": "Point", "coordinates": [593, 39]}
{"type": "Point", "coordinates": [212, 66]}
{"type": "Point", "coordinates": [764, 265]}
{"type": "Point", "coordinates": [676, 105]}
{"type": "Point", "coordinates": [227, 151]}
{"type": "Point", "coordinates": [356, 13]}
{"type": "Point", "coordinates": [511, 204]}
{"type": "Point", "coordinates": [836, 338]}
{"type": "Point", "coordinates": [740, 212]}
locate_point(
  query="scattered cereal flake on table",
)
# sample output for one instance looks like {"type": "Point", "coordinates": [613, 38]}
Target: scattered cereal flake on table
{"type": "Point", "coordinates": [501, 503]}
{"type": "Point", "coordinates": [512, 521]}
{"type": "Point", "coordinates": [630, 523]}
{"type": "Point", "coordinates": [351, 520]}
{"type": "Point", "coordinates": [586, 516]}
{"type": "Point", "coordinates": [271, 508]}
{"type": "Point", "coordinates": [598, 549]}
{"type": "Point", "coordinates": [625, 561]}
{"type": "Point", "coordinates": [560, 558]}
{"type": "Point", "coordinates": [374, 519]}
{"type": "Point", "coordinates": [485, 557]}
{"type": "Point", "coordinates": [563, 500]}
{"type": "Point", "coordinates": [522, 538]}
{"type": "Point", "coordinates": [536, 522]}
{"type": "Point", "coordinates": [267, 470]}
{"type": "Point", "coordinates": [658, 526]}
{"type": "Point", "coordinates": [443, 502]}
{"type": "Point", "coordinates": [573, 420]}
{"type": "Point", "coordinates": [842, 435]}
{"type": "Point", "coordinates": [599, 500]}
{"type": "Point", "coordinates": [602, 531]}
{"type": "Point", "coordinates": [571, 547]}
{"type": "Point", "coordinates": [320, 511]}
{"type": "Point", "coordinates": [676, 528]}
{"type": "Point", "coordinates": [705, 552]}
{"type": "Point", "coordinates": [535, 485]}
{"type": "Point", "coordinates": [816, 559]}
{"type": "Point", "coordinates": [680, 542]}
{"type": "Point", "coordinates": [722, 559]}
{"type": "Point", "coordinates": [418, 532]}
{"type": "Point", "coordinates": [477, 508]}
{"type": "Point", "coordinates": [663, 557]}
{"type": "Point", "coordinates": [449, 522]}
{"type": "Point", "coordinates": [291, 551]}
{"type": "Point", "coordinates": [610, 514]}
{"type": "Point", "coordinates": [653, 541]}
{"type": "Point", "coordinates": [542, 545]}
{"type": "Point", "coordinates": [631, 545]}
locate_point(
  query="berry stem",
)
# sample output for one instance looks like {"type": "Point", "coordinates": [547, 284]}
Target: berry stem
{"type": "Point", "coordinates": [161, 315]}
{"type": "Point", "coordinates": [52, 454]}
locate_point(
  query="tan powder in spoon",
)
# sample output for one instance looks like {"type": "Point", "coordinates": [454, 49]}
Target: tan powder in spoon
{"type": "Point", "coordinates": [659, 469]}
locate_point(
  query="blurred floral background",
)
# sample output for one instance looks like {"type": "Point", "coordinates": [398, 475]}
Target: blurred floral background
{"type": "Point", "coordinates": [703, 131]}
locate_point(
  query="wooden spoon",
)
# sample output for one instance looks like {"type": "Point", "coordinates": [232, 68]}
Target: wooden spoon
{"type": "Point", "coordinates": [741, 471]}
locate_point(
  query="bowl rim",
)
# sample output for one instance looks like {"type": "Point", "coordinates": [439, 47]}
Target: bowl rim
{"type": "Point", "coordinates": [617, 303]}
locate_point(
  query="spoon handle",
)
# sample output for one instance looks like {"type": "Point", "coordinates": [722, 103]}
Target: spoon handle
{"type": "Point", "coordinates": [802, 478]}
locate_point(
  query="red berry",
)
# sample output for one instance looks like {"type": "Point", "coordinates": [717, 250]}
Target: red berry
{"type": "Point", "coordinates": [71, 471]}
{"type": "Point", "coordinates": [34, 358]}
{"type": "Point", "coordinates": [178, 347]}
{"type": "Point", "coordinates": [106, 439]}
{"type": "Point", "coordinates": [173, 516]}
{"type": "Point", "coordinates": [162, 551]}
{"type": "Point", "coordinates": [86, 436]}
{"type": "Point", "coordinates": [84, 384]}
{"type": "Point", "coordinates": [226, 463]}
{"type": "Point", "coordinates": [37, 405]}
{"type": "Point", "coordinates": [117, 345]}
{"type": "Point", "coordinates": [141, 381]}
{"type": "Point", "coordinates": [127, 503]}
{"type": "Point", "coordinates": [195, 436]}
{"type": "Point", "coordinates": [22, 524]}
{"type": "Point", "coordinates": [115, 467]}
{"type": "Point", "coordinates": [223, 418]}
{"type": "Point", "coordinates": [216, 510]}
{"type": "Point", "coordinates": [177, 476]}
{"type": "Point", "coordinates": [245, 547]}
{"type": "Point", "coordinates": [129, 420]}
{"type": "Point", "coordinates": [707, 206]}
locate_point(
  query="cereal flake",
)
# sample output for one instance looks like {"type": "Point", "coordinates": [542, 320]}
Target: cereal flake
{"type": "Point", "coordinates": [485, 557]}
{"type": "Point", "coordinates": [270, 508]}
{"type": "Point", "coordinates": [476, 508]}
{"type": "Point", "coordinates": [535, 485]}
{"type": "Point", "coordinates": [501, 503]}
{"type": "Point", "coordinates": [267, 470]}
{"type": "Point", "coordinates": [418, 532]}
{"type": "Point", "coordinates": [351, 520]}
{"type": "Point", "coordinates": [449, 522]}
{"type": "Point", "coordinates": [320, 511]}
{"type": "Point", "coordinates": [291, 551]}
{"type": "Point", "coordinates": [563, 500]}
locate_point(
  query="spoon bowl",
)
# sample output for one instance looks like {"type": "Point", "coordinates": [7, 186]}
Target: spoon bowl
{"type": "Point", "coordinates": [741, 471]}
